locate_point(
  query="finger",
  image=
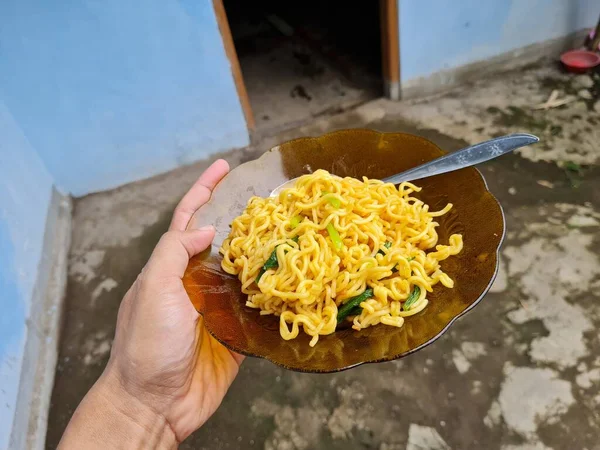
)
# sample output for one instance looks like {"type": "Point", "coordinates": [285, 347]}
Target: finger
{"type": "Point", "coordinates": [174, 250]}
{"type": "Point", "coordinates": [198, 195]}
{"type": "Point", "coordinates": [239, 359]}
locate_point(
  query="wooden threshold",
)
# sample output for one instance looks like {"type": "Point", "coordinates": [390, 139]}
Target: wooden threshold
{"type": "Point", "coordinates": [235, 63]}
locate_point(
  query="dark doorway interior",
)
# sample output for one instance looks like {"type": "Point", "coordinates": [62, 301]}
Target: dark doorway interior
{"type": "Point", "coordinates": [304, 59]}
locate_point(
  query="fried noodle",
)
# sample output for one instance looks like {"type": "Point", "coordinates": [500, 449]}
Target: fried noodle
{"type": "Point", "coordinates": [330, 239]}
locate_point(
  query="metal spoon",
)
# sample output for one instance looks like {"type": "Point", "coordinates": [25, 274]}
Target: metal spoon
{"type": "Point", "coordinates": [460, 159]}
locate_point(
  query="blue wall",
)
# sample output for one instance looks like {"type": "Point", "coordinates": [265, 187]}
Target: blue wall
{"type": "Point", "coordinates": [112, 91]}
{"type": "Point", "coordinates": [94, 94]}
{"type": "Point", "coordinates": [442, 34]}
{"type": "Point", "coordinates": [25, 190]}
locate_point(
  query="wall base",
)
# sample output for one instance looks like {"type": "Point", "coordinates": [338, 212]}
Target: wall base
{"type": "Point", "coordinates": [445, 80]}
{"type": "Point", "coordinates": [391, 90]}
{"type": "Point", "coordinates": [43, 328]}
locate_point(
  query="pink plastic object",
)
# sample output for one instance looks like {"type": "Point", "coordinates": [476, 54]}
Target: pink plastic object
{"type": "Point", "coordinates": [580, 61]}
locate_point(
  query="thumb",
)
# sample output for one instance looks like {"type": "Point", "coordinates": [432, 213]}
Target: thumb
{"type": "Point", "coordinates": [174, 250]}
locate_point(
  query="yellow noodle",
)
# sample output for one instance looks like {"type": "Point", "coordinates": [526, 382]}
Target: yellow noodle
{"type": "Point", "coordinates": [313, 279]}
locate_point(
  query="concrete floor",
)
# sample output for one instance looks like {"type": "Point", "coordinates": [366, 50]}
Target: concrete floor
{"type": "Point", "coordinates": [522, 371]}
{"type": "Point", "coordinates": [291, 83]}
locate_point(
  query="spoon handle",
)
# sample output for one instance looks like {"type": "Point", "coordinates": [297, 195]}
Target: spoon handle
{"type": "Point", "coordinates": [466, 157]}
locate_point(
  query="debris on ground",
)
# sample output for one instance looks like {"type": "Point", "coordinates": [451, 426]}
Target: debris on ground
{"type": "Point", "coordinates": [582, 82]}
{"type": "Point", "coordinates": [545, 183]}
{"type": "Point", "coordinates": [584, 94]}
{"type": "Point", "coordinates": [554, 102]}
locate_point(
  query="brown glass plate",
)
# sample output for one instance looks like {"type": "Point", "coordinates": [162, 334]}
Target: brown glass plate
{"type": "Point", "coordinates": [477, 215]}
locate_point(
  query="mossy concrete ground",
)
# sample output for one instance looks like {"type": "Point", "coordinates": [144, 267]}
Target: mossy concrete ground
{"type": "Point", "coordinates": [522, 371]}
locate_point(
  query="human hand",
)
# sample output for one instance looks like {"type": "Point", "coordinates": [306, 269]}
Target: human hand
{"type": "Point", "coordinates": [166, 372]}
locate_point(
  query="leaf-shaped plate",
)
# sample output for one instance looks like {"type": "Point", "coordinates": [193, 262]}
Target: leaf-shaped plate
{"type": "Point", "coordinates": [356, 153]}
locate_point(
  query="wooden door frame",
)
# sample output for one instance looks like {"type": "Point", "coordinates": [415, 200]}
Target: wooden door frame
{"type": "Point", "coordinates": [390, 54]}
{"type": "Point", "coordinates": [390, 48]}
{"type": "Point", "coordinates": [236, 70]}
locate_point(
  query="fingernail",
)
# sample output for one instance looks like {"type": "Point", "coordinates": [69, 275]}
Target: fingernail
{"type": "Point", "coordinates": [206, 228]}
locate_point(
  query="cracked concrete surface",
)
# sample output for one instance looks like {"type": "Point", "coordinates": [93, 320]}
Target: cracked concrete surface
{"type": "Point", "coordinates": [520, 372]}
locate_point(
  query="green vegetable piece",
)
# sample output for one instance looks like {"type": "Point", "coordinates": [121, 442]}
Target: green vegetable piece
{"type": "Point", "coordinates": [333, 201]}
{"type": "Point", "coordinates": [409, 259]}
{"type": "Point", "coordinates": [295, 221]}
{"type": "Point", "coordinates": [355, 311]}
{"type": "Point", "coordinates": [386, 244]}
{"type": "Point", "coordinates": [260, 274]}
{"type": "Point", "coordinates": [335, 237]}
{"type": "Point", "coordinates": [353, 302]}
{"type": "Point", "coordinates": [412, 298]}
{"type": "Point", "coordinates": [272, 262]}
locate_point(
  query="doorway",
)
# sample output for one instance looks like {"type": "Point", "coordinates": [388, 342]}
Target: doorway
{"type": "Point", "coordinates": [300, 60]}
